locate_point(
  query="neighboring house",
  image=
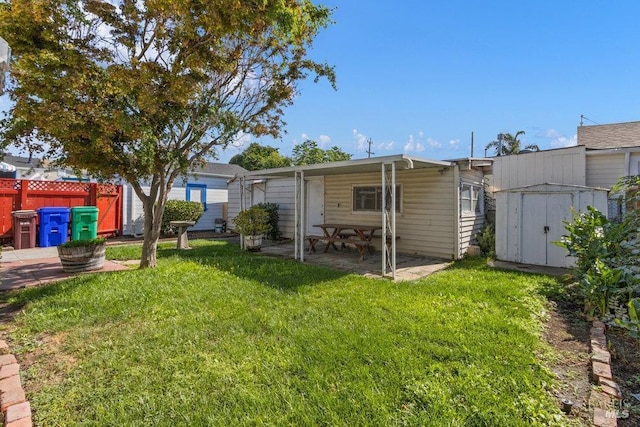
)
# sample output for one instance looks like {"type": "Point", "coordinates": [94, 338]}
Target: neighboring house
{"type": "Point", "coordinates": [439, 204]}
{"type": "Point", "coordinates": [34, 168]}
{"type": "Point", "coordinates": [604, 154]}
{"type": "Point", "coordinates": [207, 185]}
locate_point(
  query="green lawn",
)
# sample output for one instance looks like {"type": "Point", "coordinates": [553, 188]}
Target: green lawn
{"type": "Point", "coordinates": [215, 336]}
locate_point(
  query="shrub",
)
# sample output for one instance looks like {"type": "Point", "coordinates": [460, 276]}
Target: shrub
{"type": "Point", "coordinates": [84, 242]}
{"type": "Point", "coordinates": [180, 210]}
{"type": "Point", "coordinates": [487, 240]}
{"type": "Point", "coordinates": [252, 222]}
{"type": "Point", "coordinates": [274, 219]}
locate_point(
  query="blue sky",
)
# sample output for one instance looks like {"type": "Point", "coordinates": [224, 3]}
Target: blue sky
{"type": "Point", "coordinates": [417, 77]}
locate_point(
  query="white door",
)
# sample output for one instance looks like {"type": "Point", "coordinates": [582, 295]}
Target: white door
{"type": "Point", "coordinates": [542, 224]}
{"type": "Point", "coordinates": [314, 202]}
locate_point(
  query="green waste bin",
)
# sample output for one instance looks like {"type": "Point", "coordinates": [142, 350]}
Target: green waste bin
{"type": "Point", "coordinates": [84, 222]}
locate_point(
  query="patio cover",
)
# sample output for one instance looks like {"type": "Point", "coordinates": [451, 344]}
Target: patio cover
{"type": "Point", "coordinates": [386, 166]}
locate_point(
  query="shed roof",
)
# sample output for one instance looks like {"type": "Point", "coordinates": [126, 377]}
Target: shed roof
{"type": "Point", "coordinates": [549, 187]}
{"type": "Point", "coordinates": [372, 164]}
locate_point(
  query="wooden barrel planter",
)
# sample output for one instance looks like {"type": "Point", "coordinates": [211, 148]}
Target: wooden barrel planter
{"type": "Point", "coordinates": [82, 258]}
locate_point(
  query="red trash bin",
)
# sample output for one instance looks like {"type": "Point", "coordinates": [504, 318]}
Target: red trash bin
{"type": "Point", "coordinates": [24, 229]}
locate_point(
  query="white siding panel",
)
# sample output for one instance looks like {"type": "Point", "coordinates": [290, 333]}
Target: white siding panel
{"type": "Point", "coordinates": [470, 225]}
{"type": "Point", "coordinates": [426, 224]}
{"type": "Point", "coordinates": [564, 166]}
{"type": "Point", "coordinates": [604, 170]}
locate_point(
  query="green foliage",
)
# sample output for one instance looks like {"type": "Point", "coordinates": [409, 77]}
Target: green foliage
{"type": "Point", "coordinates": [240, 339]}
{"type": "Point", "coordinates": [147, 90]}
{"type": "Point", "coordinates": [632, 324]}
{"type": "Point", "coordinates": [606, 258]}
{"type": "Point", "coordinates": [180, 210]}
{"type": "Point", "coordinates": [256, 157]}
{"type": "Point", "coordinates": [511, 144]}
{"type": "Point", "coordinates": [84, 242]}
{"type": "Point", "coordinates": [252, 222]}
{"type": "Point", "coordinates": [308, 153]}
{"type": "Point", "coordinates": [274, 219]}
{"type": "Point", "coordinates": [487, 240]}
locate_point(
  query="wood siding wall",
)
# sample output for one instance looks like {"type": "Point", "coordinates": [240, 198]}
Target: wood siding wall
{"type": "Point", "coordinates": [470, 225]}
{"type": "Point", "coordinates": [426, 224]}
{"type": "Point", "coordinates": [277, 190]}
{"type": "Point", "coordinates": [563, 166]}
{"type": "Point", "coordinates": [604, 170]}
{"type": "Point", "coordinates": [217, 197]}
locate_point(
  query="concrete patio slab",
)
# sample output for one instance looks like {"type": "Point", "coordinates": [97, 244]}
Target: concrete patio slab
{"type": "Point", "coordinates": [408, 267]}
{"type": "Point", "coordinates": [37, 266]}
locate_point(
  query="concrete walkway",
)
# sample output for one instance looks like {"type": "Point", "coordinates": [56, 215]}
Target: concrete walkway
{"type": "Point", "coordinates": [36, 266]}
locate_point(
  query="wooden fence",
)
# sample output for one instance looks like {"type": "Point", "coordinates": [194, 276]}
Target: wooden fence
{"type": "Point", "coordinates": [22, 194]}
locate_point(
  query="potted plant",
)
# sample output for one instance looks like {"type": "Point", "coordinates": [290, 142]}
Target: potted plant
{"type": "Point", "coordinates": [252, 223]}
{"type": "Point", "coordinates": [78, 256]}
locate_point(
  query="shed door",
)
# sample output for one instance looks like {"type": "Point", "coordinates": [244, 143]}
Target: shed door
{"type": "Point", "coordinates": [542, 224]}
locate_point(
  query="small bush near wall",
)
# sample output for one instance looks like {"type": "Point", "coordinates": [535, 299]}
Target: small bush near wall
{"type": "Point", "coordinates": [274, 219]}
{"type": "Point", "coordinates": [180, 210]}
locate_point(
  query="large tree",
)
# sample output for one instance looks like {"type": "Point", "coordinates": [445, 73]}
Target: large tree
{"type": "Point", "coordinates": [145, 89]}
{"type": "Point", "coordinates": [256, 157]}
{"type": "Point", "coordinates": [510, 144]}
{"type": "Point", "coordinates": [308, 153]}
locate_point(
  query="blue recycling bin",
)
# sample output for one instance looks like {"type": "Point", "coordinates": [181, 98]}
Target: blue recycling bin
{"type": "Point", "coordinates": [54, 226]}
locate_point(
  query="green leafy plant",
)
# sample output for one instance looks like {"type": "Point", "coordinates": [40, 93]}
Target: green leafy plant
{"type": "Point", "coordinates": [180, 210]}
{"type": "Point", "coordinates": [84, 242]}
{"type": "Point", "coordinates": [274, 219]}
{"type": "Point", "coordinates": [633, 323]}
{"type": "Point", "coordinates": [487, 240]}
{"type": "Point", "coordinates": [252, 222]}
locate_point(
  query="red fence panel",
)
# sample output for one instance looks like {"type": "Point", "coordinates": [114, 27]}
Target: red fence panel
{"type": "Point", "coordinates": [28, 194]}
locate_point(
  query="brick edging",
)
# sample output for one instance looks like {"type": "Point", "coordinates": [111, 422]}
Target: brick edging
{"type": "Point", "coordinates": [13, 402]}
{"type": "Point", "coordinates": [603, 401]}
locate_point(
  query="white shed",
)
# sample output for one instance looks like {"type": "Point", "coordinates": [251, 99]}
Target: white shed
{"type": "Point", "coordinates": [530, 219]}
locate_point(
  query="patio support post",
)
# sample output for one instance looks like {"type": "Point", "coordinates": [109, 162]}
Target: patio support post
{"type": "Point", "coordinates": [393, 220]}
{"type": "Point", "coordinates": [296, 215]}
{"type": "Point", "coordinates": [302, 216]}
{"type": "Point", "coordinates": [389, 220]}
{"type": "Point", "coordinates": [384, 223]}
{"type": "Point", "coordinates": [242, 206]}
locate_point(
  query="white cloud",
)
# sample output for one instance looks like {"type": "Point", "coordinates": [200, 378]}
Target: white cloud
{"type": "Point", "coordinates": [324, 140]}
{"type": "Point", "coordinates": [420, 134]}
{"type": "Point", "coordinates": [433, 143]}
{"type": "Point", "coordinates": [360, 140]}
{"type": "Point", "coordinates": [454, 143]}
{"type": "Point", "coordinates": [563, 141]}
{"type": "Point", "coordinates": [413, 146]}
{"type": "Point", "coordinates": [241, 139]}
{"type": "Point", "coordinates": [552, 133]}
{"type": "Point", "coordinates": [304, 136]}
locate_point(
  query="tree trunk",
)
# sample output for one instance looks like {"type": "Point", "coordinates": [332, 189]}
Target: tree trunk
{"type": "Point", "coordinates": [153, 206]}
{"type": "Point", "coordinates": [151, 236]}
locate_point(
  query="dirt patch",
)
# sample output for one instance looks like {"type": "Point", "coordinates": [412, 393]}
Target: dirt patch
{"type": "Point", "coordinates": [567, 331]}
{"type": "Point", "coordinates": [625, 364]}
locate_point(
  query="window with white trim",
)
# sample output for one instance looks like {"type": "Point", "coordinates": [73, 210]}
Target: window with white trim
{"type": "Point", "coordinates": [471, 199]}
{"type": "Point", "coordinates": [369, 198]}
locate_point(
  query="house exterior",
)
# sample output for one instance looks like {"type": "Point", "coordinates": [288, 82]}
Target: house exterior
{"type": "Point", "coordinates": [439, 204]}
{"type": "Point", "coordinates": [207, 185]}
{"type": "Point", "coordinates": [33, 168]}
{"type": "Point", "coordinates": [604, 154]}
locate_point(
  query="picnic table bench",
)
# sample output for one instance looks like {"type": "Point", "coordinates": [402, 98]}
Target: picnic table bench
{"type": "Point", "coordinates": [359, 236]}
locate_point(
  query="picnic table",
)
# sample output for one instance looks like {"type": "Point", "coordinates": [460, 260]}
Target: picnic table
{"type": "Point", "coordinates": [358, 235]}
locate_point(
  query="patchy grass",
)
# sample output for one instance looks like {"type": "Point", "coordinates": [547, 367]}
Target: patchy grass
{"type": "Point", "coordinates": [215, 336]}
